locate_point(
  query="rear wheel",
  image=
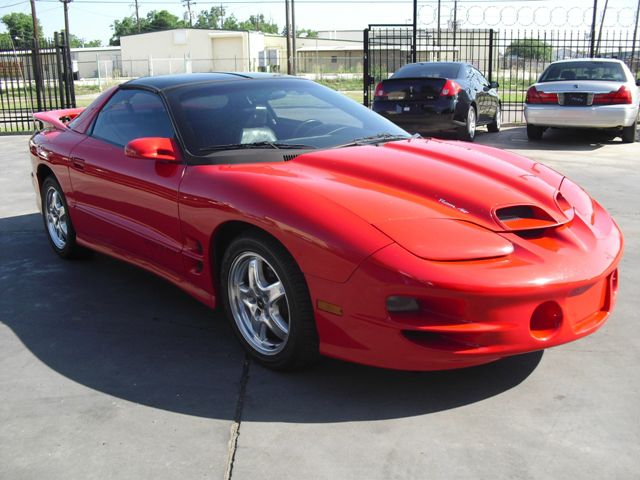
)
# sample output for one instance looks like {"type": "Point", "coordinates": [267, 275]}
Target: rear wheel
{"type": "Point", "coordinates": [468, 131]}
{"type": "Point", "coordinates": [534, 132]}
{"type": "Point", "coordinates": [57, 222]}
{"type": "Point", "coordinates": [629, 133]}
{"type": "Point", "coordinates": [497, 121]}
{"type": "Point", "coordinates": [266, 298]}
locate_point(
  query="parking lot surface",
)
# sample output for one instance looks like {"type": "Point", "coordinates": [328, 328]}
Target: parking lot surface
{"type": "Point", "coordinates": [109, 372]}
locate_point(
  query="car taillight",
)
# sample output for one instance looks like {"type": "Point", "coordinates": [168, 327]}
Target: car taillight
{"type": "Point", "coordinates": [620, 96]}
{"type": "Point", "coordinates": [379, 92]}
{"type": "Point", "coordinates": [536, 96]}
{"type": "Point", "coordinates": [450, 89]}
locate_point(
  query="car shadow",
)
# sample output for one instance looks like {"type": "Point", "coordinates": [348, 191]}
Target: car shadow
{"type": "Point", "coordinates": [567, 139]}
{"type": "Point", "coordinates": [119, 330]}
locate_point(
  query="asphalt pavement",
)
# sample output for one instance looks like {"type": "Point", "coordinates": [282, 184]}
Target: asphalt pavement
{"type": "Point", "coordinates": [108, 372]}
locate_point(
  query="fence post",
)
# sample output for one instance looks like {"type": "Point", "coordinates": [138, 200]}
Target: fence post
{"type": "Point", "coordinates": [365, 77]}
{"type": "Point", "coordinates": [490, 69]}
{"type": "Point", "coordinates": [69, 85]}
{"type": "Point", "coordinates": [58, 50]}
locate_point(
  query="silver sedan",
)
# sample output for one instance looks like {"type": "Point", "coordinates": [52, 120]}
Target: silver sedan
{"type": "Point", "coordinates": [584, 93]}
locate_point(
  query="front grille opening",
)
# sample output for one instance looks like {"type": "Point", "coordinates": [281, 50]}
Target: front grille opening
{"type": "Point", "coordinates": [437, 341]}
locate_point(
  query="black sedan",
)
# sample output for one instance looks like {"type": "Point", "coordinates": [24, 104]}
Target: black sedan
{"type": "Point", "coordinates": [431, 97]}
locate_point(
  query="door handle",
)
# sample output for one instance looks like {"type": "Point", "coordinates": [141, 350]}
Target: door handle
{"type": "Point", "coordinates": [77, 163]}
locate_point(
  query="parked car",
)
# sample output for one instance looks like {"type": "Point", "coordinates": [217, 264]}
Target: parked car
{"type": "Point", "coordinates": [430, 97]}
{"type": "Point", "coordinates": [586, 93]}
{"type": "Point", "coordinates": [323, 228]}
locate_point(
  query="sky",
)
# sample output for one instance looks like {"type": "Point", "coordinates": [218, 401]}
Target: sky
{"type": "Point", "coordinates": [92, 19]}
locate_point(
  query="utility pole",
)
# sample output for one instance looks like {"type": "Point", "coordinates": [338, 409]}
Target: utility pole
{"type": "Point", "coordinates": [455, 25]}
{"type": "Point", "coordinates": [293, 38]}
{"type": "Point", "coordinates": [37, 70]}
{"type": "Point", "coordinates": [439, 37]}
{"type": "Point", "coordinates": [137, 16]}
{"type": "Point", "coordinates": [288, 30]}
{"type": "Point", "coordinates": [66, 18]}
{"type": "Point", "coordinates": [604, 12]}
{"type": "Point", "coordinates": [593, 29]}
{"type": "Point", "coordinates": [635, 33]}
{"type": "Point", "coordinates": [188, 4]}
{"type": "Point", "coordinates": [414, 46]}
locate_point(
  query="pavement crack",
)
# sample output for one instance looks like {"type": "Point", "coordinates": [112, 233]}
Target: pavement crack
{"type": "Point", "coordinates": [237, 419]}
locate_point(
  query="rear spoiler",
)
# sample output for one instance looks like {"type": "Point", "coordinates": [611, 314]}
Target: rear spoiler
{"type": "Point", "coordinates": [57, 119]}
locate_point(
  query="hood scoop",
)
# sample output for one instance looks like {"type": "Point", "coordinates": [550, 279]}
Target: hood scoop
{"type": "Point", "coordinates": [524, 217]}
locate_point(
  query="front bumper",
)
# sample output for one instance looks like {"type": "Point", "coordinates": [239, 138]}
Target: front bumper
{"type": "Point", "coordinates": [472, 312]}
{"type": "Point", "coordinates": [600, 116]}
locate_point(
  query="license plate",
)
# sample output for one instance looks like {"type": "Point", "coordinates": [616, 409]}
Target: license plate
{"type": "Point", "coordinates": [575, 99]}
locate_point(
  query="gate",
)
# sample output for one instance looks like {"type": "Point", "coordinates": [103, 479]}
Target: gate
{"type": "Point", "coordinates": [513, 58]}
{"type": "Point", "coordinates": [33, 80]}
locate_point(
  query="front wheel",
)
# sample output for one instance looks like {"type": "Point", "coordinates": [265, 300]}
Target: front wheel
{"type": "Point", "coordinates": [57, 222]}
{"type": "Point", "coordinates": [629, 133]}
{"type": "Point", "coordinates": [265, 296]}
{"type": "Point", "coordinates": [468, 131]}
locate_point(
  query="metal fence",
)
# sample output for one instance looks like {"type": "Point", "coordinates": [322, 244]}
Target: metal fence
{"type": "Point", "coordinates": [33, 80]}
{"type": "Point", "coordinates": [513, 58]}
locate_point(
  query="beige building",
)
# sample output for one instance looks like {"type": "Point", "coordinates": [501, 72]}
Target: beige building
{"type": "Point", "coordinates": [196, 50]}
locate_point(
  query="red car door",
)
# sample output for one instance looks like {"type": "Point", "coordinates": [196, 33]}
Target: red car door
{"type": "Point", "coordinates": [127, 205]}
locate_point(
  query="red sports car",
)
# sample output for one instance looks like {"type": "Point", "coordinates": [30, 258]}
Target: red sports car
{"type": "Point", "coordinates": [321, 227]}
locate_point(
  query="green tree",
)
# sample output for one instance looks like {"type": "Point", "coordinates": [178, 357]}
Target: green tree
{"type": "Point", "coordinates": [530, 48]}
{"type": "Point", "coordinates": [20, 28]}
{"type": "Point", "coordinates": [257, 23]}
{"type": "Point", "coordinates": [77, 42]}
{"type": "Point", "coordinates": [302, 32]}
{"type": "Point", "coordinates": [163, 20]}
{"type": "Point", "coordinates": [155, 20]}
{"type": "Point", "coordinates": [212, 19]}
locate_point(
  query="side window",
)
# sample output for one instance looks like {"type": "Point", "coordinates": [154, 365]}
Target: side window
{"type": "Point", "coordinates": [132, 114]}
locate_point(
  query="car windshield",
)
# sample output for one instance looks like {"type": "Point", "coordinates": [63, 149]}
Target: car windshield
{"type": "Point", "coordinates": [268, 113]}
{"type": "Point", "coordinates": [435, 69]}
{"type": "Point", "coordinates": [590, 70]}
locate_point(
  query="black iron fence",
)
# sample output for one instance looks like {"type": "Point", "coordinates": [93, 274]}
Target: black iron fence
{"type": "Point", "coordinates": [32, 80]}
{"type": "Point", "coordinates": [513, 58]}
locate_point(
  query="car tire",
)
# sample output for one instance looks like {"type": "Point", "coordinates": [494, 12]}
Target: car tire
{"type": "Point", "coordinates": [629, 133]}
{"type": "Point", "coordinates": [468, 131]}
{"type": "Point", "coordinates": [57, 222]}
{"type": "Point", "coordinates": [534, 132]}
{"type": "Point", "coordinates": [267, 301]}
{"type": "Point", "coordinates": [495, 126]}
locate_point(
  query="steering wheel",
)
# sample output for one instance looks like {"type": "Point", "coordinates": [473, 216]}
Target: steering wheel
{"type": "Point", "coordinates": [306, 125]}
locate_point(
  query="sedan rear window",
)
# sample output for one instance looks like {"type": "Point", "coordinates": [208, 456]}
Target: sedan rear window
{"type": "Point", "coordinates": [601, 71]}
{"type": "Point", "coordinates": [436, 69]}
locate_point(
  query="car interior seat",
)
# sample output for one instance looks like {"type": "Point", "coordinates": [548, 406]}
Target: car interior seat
{"type": "Point", "coordinates": [256, 128]}
{"type": "Point", "coordinates": [568, 75]}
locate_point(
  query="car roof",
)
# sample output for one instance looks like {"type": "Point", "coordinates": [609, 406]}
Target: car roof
{"type": "Point", "coordinates": [163, 82]}
{"type": "Point", "coordinates": [567, 60]}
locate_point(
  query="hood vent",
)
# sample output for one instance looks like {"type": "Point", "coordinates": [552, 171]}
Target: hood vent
{"type": "Point", "coordinates": [287, 157]}
{"type": "Point", "coordinates": [524, 217]}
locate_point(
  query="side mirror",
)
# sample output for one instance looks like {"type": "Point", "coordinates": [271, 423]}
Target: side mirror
{"type": "Point", "coordinates": [638, 82]}
{"type": "Point", "coordinates": [494, 85]}
{"type": "Point", "coordinates": [153, 148]}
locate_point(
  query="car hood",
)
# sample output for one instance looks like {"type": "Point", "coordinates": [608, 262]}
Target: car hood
{"type": "Point", "coordinates": [590, 86]}
{"type": "Point", "coordinates": [430, 179]}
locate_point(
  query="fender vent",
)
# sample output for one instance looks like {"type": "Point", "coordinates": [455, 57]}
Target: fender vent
{"type": "Point", "coordinates": [524, 217]}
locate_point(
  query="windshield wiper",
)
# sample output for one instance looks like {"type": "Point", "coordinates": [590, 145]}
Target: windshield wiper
{"type": "Point", "coordinates": [378, 138]}
{"type": "Point", "coordinates": [255, 145]}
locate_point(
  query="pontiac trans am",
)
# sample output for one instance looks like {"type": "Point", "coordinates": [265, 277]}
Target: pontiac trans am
{"type": "Point", "coordinates": [321, 228]}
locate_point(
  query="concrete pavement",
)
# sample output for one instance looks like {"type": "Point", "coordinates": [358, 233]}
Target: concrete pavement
{"type": "Point", "coordinates": [108, 372]}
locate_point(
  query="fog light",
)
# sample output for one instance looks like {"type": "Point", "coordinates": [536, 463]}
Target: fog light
{"type": "Point", "coordinates": [402, 304]}
{"type": "Point", "coordinates": [546, 320]}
